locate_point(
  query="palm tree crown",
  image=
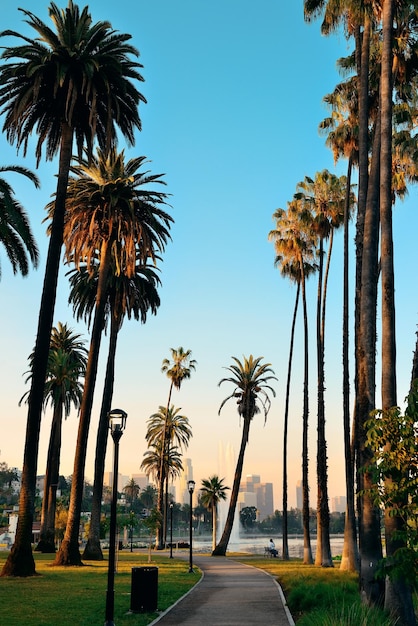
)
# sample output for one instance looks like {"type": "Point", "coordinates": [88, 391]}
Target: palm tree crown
{"type": "Point", "coordinates": [80, 74]}
{"type": "Point", "coordinates": [250, 381]}
{"type": "Point", "coordinates": [108, 201]}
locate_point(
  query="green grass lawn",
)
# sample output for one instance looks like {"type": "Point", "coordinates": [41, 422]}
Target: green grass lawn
{"type": "Point", "coordinates": [64, 596]}
{"type": "Point", "coordinates": [320, 596]}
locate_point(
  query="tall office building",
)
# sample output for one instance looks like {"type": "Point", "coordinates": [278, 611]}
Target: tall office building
{"type": "Point", "coordinates": [299, 495]}
{"type": "Point", "coordinates": [187, 474]}
{"type": "Point", "coordinates": [255, 493]}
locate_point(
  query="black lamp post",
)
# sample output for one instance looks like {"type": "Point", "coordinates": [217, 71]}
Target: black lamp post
{"type": "Point", "coordinates": [117, 423]}
{"type": "Point", "coordinates": [171, 530]}
{"type": "Point", "coordinates": [191, 485]}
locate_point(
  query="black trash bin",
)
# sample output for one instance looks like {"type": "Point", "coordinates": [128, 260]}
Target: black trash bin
{"type": "Point", "coordinates": [144, 589]}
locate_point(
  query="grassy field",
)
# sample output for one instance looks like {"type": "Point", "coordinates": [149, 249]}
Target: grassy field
{"type": "Point", "coordinates": [320, 596]}
{"type": "Point", "coordinates": [62, 596]}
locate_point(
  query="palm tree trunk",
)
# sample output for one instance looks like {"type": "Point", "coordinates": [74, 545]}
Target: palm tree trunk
{"type": "Point", "coordinates": [285, 546]}
{"type": "Point", "coordinates": [93, 550]}
{"type": "Point", "coordinates": [307, 549]}
{"type": "Point", "coordinates": [20, 560]}
{"type": "Point", "coordinates": [350, 556]}
{"type": "Point", "coordinates": [398, 596]}
{"type": "Point", "coordinates": [47, 531]}
{"type": "Point", "coordinates": [369, 518]}
{"type": "Point", "coordinates": [221, 548]}
{"type": "Point", "coordinates": [323, 552]}
{"type": "Point", "coordinates": [69, 553]}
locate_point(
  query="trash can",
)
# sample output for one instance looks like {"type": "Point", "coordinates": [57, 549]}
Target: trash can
{"type": "Point", "coordinates": [144, 589]}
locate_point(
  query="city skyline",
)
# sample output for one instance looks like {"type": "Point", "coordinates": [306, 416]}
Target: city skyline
{"type": "Point", "coordinates": [233, 126]}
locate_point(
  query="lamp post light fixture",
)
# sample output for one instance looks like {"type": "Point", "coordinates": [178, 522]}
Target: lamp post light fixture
{"type": "Point", "coordinates": [191, 485]}
{"type": "Point", "coordinates": [117, 424]}
{"type": "Point", "coordinates": [171, 529]}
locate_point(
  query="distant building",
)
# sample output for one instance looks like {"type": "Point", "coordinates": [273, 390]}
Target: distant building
{"type": "Point", "coordinates": [299, 495]}
{"type": "Point", "coordinates": [142, 480]}
{"type": "Point", "coordinates": [122, 480]}
{"type": "Point", "coordinates": [187, 474]}
{"type": "Point", "coordinates": [255, 493]}
{"type": "Point", "coordinates": [338, 504]}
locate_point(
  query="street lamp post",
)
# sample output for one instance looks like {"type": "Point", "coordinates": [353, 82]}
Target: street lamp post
{"type": "Point", "coordinates": [191, 485]}
{"type": "Point", "coordinates": [117, 423]}
{"type": "Point", "coordinates": [171, 530]}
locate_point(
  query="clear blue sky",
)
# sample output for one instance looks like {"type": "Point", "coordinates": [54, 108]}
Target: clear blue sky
{"type": "Point", "coordinates": [234, 92]}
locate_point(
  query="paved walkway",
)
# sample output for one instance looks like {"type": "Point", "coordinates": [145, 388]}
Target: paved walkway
{"type": "Point", "coordinates": [229, 594]}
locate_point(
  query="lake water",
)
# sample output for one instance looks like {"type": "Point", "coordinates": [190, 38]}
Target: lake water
{"type": "Point", "coordinates": [255, 545]}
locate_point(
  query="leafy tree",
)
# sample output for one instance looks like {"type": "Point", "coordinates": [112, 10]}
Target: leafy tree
{"type": "Point", "coordinates": [71, 82]}
{"type": "Point", "coordinates": [15, 232]}
{"type": "Point", "coordinates": [248, 517]}
{"type": "Point", "coordinates": [392, 436]}
{"type": "Point", "coordinates": [213, 491]}
{"type": "Point", "coordinates": [152, 522]}
{"type": "Point", "coordinates": [250, 380]}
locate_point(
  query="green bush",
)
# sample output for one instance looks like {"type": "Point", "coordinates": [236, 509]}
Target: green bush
{"type": "Point", "coordinates": [356, 614]}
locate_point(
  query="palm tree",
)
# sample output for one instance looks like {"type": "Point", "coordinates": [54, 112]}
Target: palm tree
{"type": "Point", "coordinates": [112, 218]}
{"type": "Point", "coordinates": [249, 379]}
{"type": "Point", "coordinates": [179, 368]}
{"type": "Point", "coordinates": [15, 232]}
{"type": "Point", "coordinates": [66, 365]}
{"type": "Point", "coordinates": [132, 490]}
{"type": "Point", "coordinates": [325, 197]}
{"type": "Point", "coordinates": [293, 234]}
{"type": "Point", "coordinates": [171, 461]}
{"type": "Point", "coordinates": [129, 297]}
{"type": "Point", "coordinates": [177, 429]}
{"type": "Point", "coordinates": [340, 128]}
{"type": "Point", "coordinates": [213, 491]}
{"type": "Point", "coordinates": [74, 82]}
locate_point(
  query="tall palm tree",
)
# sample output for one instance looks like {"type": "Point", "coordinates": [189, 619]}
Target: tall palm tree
{"type": "Point", "coordinates": [325, 197]}
{"type": "Point", "coordinates": [63, 389]}
{"type": "Point", "coordinates": [250, 380]}
{"type": "Point", "coordinates": [15, 232]}
{"type": "Point", "coordinates": [178, 369]}
{"type": "Point", "coordinates": [213, 491]}
{"type": "Point", "coordinates": [340, 129]}
{"type": "Point", "coordinates": [115, 219]}
{"type": "Point", "coordinates": [171, 428]}
{"type": "Point", "coordinates": [71, 82]}
{"type": "Point", "coordinates": [129, 297]}
{"type": "Point", "coordinates": [293, 234]}
{"type": "Point", "coordinates": [289, 268]}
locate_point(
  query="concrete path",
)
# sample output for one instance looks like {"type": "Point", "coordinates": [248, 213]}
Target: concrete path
{"type": "Point", "coordinates": [229, 594]}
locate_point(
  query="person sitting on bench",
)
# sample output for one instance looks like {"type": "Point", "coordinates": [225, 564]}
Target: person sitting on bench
{"type": "Point", "coordinates": [272, 548]}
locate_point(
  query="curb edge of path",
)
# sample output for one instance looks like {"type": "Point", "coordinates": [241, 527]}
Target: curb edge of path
{"type": "Point", "coordinates": [279, 589]}
{"type": "Point", "coordinates": [164, 613]}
